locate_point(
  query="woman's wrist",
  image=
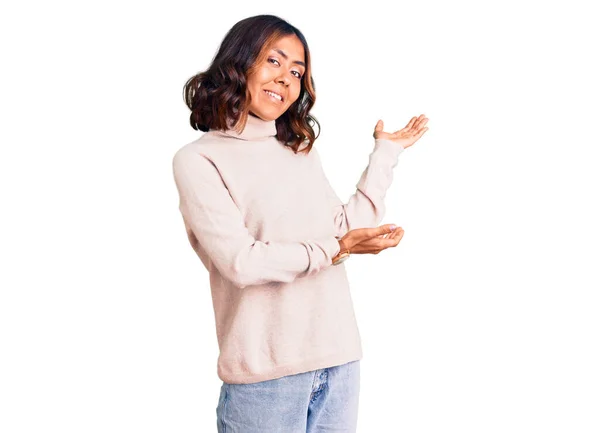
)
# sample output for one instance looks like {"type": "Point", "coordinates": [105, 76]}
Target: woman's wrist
{"type": "Point", "coordinates": [343, 254]}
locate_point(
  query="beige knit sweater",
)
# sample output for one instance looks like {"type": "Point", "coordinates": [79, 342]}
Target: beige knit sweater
{"type": "Point", "coordinates": [264, 223]}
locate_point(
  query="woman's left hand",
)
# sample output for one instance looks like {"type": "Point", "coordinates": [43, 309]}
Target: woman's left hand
{"type": "Point", "coordinates": [406, 136]}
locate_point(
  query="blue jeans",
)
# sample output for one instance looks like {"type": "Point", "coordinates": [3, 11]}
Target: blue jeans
{"type": "Point", "coordinates": [324, 400]}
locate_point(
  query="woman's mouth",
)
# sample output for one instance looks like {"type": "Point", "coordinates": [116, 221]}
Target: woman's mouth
{"type": "Point", "coordinates": [274, 96]}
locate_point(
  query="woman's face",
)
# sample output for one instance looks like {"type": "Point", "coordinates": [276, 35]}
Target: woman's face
{"type": "Point", "coordinates": [280, 73]}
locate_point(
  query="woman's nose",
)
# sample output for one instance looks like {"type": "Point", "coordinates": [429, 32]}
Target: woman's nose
{"type": "Point", "coordinates": [283, 79]}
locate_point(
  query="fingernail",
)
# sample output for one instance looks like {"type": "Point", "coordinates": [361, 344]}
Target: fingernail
{"type": "Point", "coordinates": [392, 227]}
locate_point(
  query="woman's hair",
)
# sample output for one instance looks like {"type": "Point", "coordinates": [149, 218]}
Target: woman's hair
{"type": "Point", "coordinates": [220, 94]}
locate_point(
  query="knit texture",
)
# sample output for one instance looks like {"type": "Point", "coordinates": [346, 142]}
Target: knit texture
{"type": "Point", "coordinates": [264, 223]}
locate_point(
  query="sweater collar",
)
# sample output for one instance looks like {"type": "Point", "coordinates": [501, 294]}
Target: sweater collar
{"type": "Point", "coordinates": [255, 129]}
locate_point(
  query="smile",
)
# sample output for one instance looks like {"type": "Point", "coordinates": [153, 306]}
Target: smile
{"type": "Point", "coordinates": [274, 95]}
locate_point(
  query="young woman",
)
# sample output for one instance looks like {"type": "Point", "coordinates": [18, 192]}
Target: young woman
{"type": "Point", "coordinates": [265, 222]}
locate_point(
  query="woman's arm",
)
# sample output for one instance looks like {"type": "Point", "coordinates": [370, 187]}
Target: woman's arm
{"type": "Point", "coordinates": [217, 224]}
{"type": "Point", "coordinates": [366, 207]}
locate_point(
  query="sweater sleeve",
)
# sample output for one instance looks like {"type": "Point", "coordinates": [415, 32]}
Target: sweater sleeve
{"type": "Point", "coordinates": [366, 207]}
{"type": "Point", "coordinates": [218, 226]}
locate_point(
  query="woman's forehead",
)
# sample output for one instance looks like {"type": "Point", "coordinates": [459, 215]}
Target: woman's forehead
{"type": "Point", "coordinates": [289, 47]}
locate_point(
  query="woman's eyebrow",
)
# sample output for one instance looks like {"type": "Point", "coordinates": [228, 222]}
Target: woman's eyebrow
{"type": "Point", "coordinates": [284, 55]}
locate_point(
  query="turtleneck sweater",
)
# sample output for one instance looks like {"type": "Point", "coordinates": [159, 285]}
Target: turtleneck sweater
{"type": "Point", "coordinates": [265, 223]}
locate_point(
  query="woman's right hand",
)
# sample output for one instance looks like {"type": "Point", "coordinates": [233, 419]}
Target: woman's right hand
{"type": "Point", "coordinates": [372, 240]}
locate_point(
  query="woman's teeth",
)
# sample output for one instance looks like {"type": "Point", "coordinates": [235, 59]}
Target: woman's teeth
{"type": "Point", "coordinates": [274, 95]}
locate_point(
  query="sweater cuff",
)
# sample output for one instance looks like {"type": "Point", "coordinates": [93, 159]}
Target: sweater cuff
{"type": "Point", "coordinates": [321, 252]}
{"type": "Point", "coordinates": [388, 147]}
{"type": "Point", "coordinates": [335, 246]}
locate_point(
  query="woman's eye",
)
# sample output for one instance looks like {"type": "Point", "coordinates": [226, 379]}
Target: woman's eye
{"type": "Point", "coordinates": [296, 72]}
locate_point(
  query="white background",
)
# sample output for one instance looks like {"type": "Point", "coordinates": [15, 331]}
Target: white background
{"type": "Point", "coordinates": [484, 318]}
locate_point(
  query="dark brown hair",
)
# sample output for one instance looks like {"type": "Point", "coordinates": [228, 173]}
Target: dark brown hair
{"type": "Point", "coordinates": [220, 94]}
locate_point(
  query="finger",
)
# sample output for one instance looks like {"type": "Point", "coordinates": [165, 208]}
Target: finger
{"type": "Point", "coordinates": [394, 238]}
{"type": "Point", "coordinates": [381, 230]}
{"type": "Point", "coordinates": [389, 242]}
{"type": "Point", "coordinates": [413, 125]}
{"type": "Point", "coordinates": [410, 123]}
{"type": "Point", "coordinates": [379, 126]}
{"type": "Point", "coordinates": [388, 228]}
{"type": "Point", "coordinates": [397, 235]}
{"type": "Point", "coordinates": [421, 132]}
{"type": "Point", "coordinates": [420, 117]}
{"type": "Point", "coordinates": [373, 232]}
{"type": "Point", "coordinates": [421, 122]}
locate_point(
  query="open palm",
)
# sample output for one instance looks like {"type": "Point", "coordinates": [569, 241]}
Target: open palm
{"type": "Point", "coordinates": [406, 136]}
